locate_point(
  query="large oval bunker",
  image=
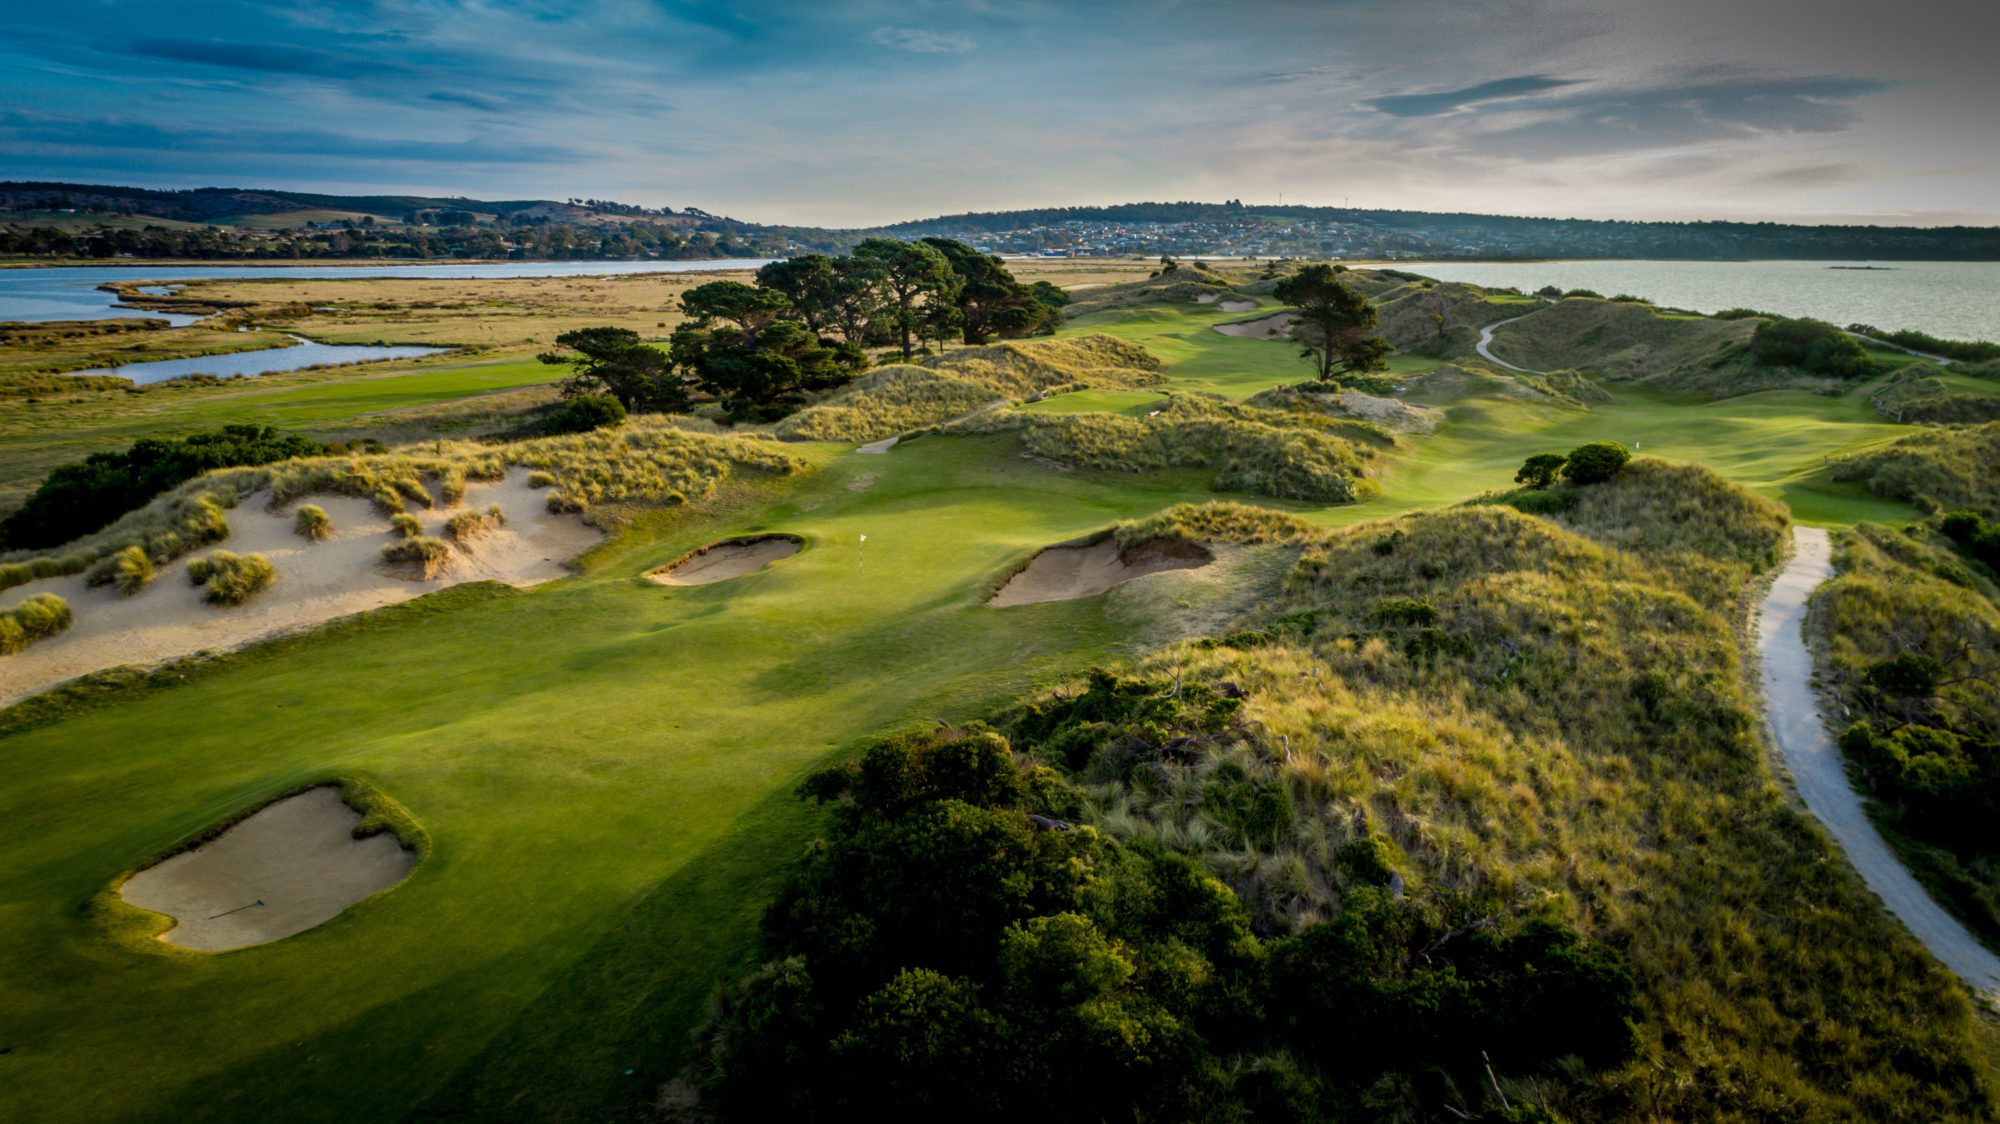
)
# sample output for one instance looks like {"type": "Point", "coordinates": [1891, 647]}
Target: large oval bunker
{"type": "Point", "coordinates": [729, 558]}
{"type": "Point", "coordinates": [287, 867]}
{"type": "Point", "coordinates": [1072, 570]}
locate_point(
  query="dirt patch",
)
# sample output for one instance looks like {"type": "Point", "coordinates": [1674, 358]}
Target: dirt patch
{"type": "Point", "coordinates": [290, 866]}
{"type": "Point", "coordinates": [730, 558]}
{"type": "Point", "coordinates": [1262, 328]}
{"type": "Point", "coordinates": [1240, 304]}
{"type": "Point", "coordinates": [317, 581]}
{"type": "Point", "coordinates": [1073, 570]}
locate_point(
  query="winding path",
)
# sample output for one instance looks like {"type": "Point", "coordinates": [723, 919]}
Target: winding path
{"type": "Point", "coordinates": [1486, 338]}
{"type": "Point", "coordinates": [1821, 781]}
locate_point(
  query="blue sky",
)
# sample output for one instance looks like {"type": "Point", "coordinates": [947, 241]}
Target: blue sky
{"type": "Point", "coordinates": [848, 113]}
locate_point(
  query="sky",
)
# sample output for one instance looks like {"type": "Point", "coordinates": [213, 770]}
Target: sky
{"type": "Point", "coordinates": [846, 113]}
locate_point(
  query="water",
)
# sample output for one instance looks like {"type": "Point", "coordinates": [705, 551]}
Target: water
{"type": "Point", "coordinates": [71, 292]}
{"type": "Point", "coordinates": [1954, 300]}
{"type": "Point", "coordinates": [261, 362]}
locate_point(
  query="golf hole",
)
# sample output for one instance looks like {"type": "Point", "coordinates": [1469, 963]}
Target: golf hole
{"type": "Point", "coordinates": [1072, 570]}
{"type": "Point", "coordinates": [287, 867]}
{"type": "Point", "coordinates": [729, 558]}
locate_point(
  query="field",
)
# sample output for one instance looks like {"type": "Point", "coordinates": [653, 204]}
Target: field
{"type": "Point", "coordinates": [604, 765]}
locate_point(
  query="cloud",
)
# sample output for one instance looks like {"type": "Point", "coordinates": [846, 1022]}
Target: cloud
{"type": "Point", "coordinates": [922, 41]}
{"type": "Point", "coordinates": [1688, 112]}
{"type": "Point", "coordinates": [271, 57]}
{"type": "Point", "coordinates": [1431, 105]}
{"type": "Point", "coordinates": [471, 98]}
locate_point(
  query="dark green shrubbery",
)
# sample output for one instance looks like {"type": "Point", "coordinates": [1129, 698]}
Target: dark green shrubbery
{"type": "Point", "coordinates": [1979, 539]}
{"type": "Point", "coordinates": [1812, 346]}
{"type": "Point", "coordinates": [585, 413]}
{"type": "Point", "coordinates": [1971, 351]}
{"type": "Point", "coordinates": [77, 499]}
{"type": "Point", "coordinates": [1595, 462]}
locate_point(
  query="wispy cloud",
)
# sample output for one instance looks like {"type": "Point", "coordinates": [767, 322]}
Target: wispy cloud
{"type": "Point", "coordinates": [922, 41]}
{"type": "Point", "coordinates": [1431, 105]}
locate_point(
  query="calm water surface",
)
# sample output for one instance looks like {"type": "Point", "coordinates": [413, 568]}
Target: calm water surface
{"type": "Point", "coordinates": [263, 362]}
{"type": "Point", "coordinates": [71, 293]}
{"type": "Point", "coordinates": [1956, 300]}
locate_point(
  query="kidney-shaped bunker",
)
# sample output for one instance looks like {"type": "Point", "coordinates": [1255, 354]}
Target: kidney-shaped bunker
{"type": "Point", "coordinates": [293, 864]}
{"type": "Point", "coordinates": [729, 558]}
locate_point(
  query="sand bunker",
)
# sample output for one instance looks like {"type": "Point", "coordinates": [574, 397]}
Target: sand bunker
{"type": "Point", "coordinates": [730, 558]}
{"type": "Point", "coordinates": [1238, 305]}
{"type": "Point", "coordinates": [1263, 328]}
{"type": "Point", "coordinates": [316, 582]}
{"type": "Point", "coordinates": [1207, 298]}
{"type": "Point", "coordinates": [1070, 571]}
{"type": "Point", "coordinates": [292, 865]}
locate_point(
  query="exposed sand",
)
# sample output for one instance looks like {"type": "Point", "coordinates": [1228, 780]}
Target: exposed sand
{"type": "Point", "coordinates": [1238, 305]}
{"type": "Point", "coordinates": [730, 558]}
{"type": "Point", "coordinates": [1263, 328]}
{"type": "Point", "coordinates": [882, 446]}
{"type": "Point", "coordinates": [316, 582]}
{"type": "Point", "coordinates": [1064, 573]}
{"type": "Point", "coordinates": [297, 856]}
{"type": "Point", "coordinates": [1207, 298]}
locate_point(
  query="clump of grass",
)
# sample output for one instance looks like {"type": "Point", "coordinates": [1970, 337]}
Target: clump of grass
{"type": "Point", "coordinates": [1290, 455]}
{"type": "Point", "coordinates": [35, 618]}
{"type": "Point", "coordinates": [425, 555]}
{"type": "Point", "coordinates": [311, 522]}
{"type": "Point", "coordinates": [541, 479]}
{"type": "Point", "coordinates": [130, 570]}
{"type": "Point", "coordinates": [1936, 470]}
{"type": "Point", "coordinates": [466, 526]}
{"type": "Point", "coordinates": [406, 525]}
{"type": "Point", "coordinates": [227, 578]}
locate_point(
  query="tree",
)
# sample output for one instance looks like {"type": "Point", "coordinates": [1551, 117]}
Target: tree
{"type": "Point", "coordinates": [614, 361]}
{"type": "Point", "coordinates": [1595, 462]}
{"type": "Point", "coordinates": [990, 302]}
{"type": "Point", "coordinates": [763, 375]}
{"type": "Point", "coordinates": [811, 283]}
{"type": "Point", "coordinates": [912, 275]}
{"type": "Point", "coordinates": [1539, 471]}
{"type": "Point", "coordinates": [746, 306]}
{"type": "Point", "coordinates": [1335, 324]}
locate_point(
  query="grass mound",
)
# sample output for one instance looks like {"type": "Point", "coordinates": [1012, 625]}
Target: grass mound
{"type": "Point", "coordinates": [1287, 455]}
{"type": "Point", "coordinates": [648, 460]}
{"type": "Point", "coordinates": [226, 578]}
{"type": "Point", "coordinates": [35, 618]}
{"type": "Point", "coordinates": [1441, 320]}
{"type": "Point", "coordinates": [421, 555]}
{"type": "Point", "coordinates": [466, 526]}
{"type": "Point", "coordinates": [898, 398]}
{"type": "Point", "coordinates": [1542, 719]}
{"type": "Point", "coordinates": [1921, 395]}
{"type": "Point", "coordinates": [1938, 470]}
{"type": "Point", "coordinates": [1631, 342]}
{"type": "Point", "coordinates": [311, 522]}
{"type": "Point", "coordinates": [1389, 413]}
{"type": "Point", "coordinates": [1457, 382]}
{"type": "Point", "coordinates": [1177, 286]}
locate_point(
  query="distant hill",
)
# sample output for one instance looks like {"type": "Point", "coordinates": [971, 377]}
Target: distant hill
{"type": "Point", "coordinates": [219, 204]}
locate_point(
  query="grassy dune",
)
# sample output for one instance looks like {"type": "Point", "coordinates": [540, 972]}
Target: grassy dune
{"type": "Point", "coordinates": [1936, 470]}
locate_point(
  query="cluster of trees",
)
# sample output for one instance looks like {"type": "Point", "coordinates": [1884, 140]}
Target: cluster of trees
{"type": "Point", "coordinates": [764, 350]}
{"type": "Point", "coordinates": [1335, 323]}
{"type": "Point", "coordinates": [77, 499]}
{"type": "Point", "coordinates": [553, 241]}
{"type": "Point", "coordinates": [1812, 346]}
{"type": "Point", "coordinates": [1590, 463]}
{"type": "Point", "coordinates": [1971, 533]}
{"type": "Point", "coordinates": [1969, 351]}
{"type": "Point", "coordinates": [956, 949]}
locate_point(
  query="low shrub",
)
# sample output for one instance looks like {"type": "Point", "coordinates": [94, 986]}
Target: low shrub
{"type": "Point", "coordinates": [227, 578]}
{"type": "Point", "coordinates": [133, 569]}
{"type": "Point", "coordinates": [585, 413]}
{"type": "Point", "coordinates": [1595, 462]}
{"type": "Point", "coordinates": [311, 522]}
{"type": "Point", "coordinates": [468, 525]}
{"type": "Point", "coordinates": [36, 618]}
{"type": "Point", "coordinates": [423, 554]}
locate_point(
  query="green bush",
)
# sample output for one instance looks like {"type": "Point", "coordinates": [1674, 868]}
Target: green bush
{"type": "Point", "coordinates": [1812, 346]}
{"type": "Point", "coordinates": [311, 522]}
{"type": "Point", "coordinates": [227, 578]}
{"type": "Point", "coordinates": [585, 413]}
{"type": "Point", "coordinates": [1540, 470]}
{"type": "Point", "coordinates": [35, 618]}
{"type": "Point", "coordinates": [1595, 462]}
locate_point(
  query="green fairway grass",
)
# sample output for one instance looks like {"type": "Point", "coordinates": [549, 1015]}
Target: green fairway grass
{"type": "Point", "coordinates": [600, 764]}
{"type": "Point", "coordinates": [1133, 403]}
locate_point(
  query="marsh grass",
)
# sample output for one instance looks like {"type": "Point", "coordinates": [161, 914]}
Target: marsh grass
{"type": "Point", "coordinates": [227, 578]}
{"type": "Point", "coordinates": [1564, 728]}
{"type": "Point", "coordinates": [35, 618]}
{"type": "Point", "coordinates": [311, 522]}
{"type": "Point", "coordinates": [1286, 454]}
{"type": "Point", "coordinates": [647, 460]}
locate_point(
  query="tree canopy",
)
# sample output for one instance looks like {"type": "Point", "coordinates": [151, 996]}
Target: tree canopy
{"type": "Point", "coordinates": [912, 275]}
{"type": "Point", "coordinates": [616, 362]}
{"type": "Point", "coordinates": [1335, 323]}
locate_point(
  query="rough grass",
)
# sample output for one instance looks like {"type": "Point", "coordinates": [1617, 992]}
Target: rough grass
{"type": "Point", "coordinates": [899, 398]}
{"type": "Point", "coordinates": [1181, 286]}
{"type": "Point", "coordinates": [129, 569]}
{"type": "Point", "coordinates": [1937, 470]}
{"type": "Point", "coordinates": [1631, 342]}
{"type": "Point", "coordinates": [419, 554]}
{"type": "Point", "coordinates": [227, 578]}
{"type": "Point", "coordinates": [1565, 728]}
{"type": "Point", "coordinates": [466, 526]}
{"type": "Point", "coordinates": [35, 618]}
{"type": "Point", "coordinates": [1920, 395]}
{"type": "Point", "coordinates": [311, 522]}
{"type": "Point", "coordinates": [1287, 455]}
{"type": "Point", "coordinates": [648, 460]}
{"type": "Point", "coordinates": [1442, 320]}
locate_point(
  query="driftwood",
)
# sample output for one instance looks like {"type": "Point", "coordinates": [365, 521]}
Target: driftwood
{"type": "Point", "coordinates": [1044, 823]}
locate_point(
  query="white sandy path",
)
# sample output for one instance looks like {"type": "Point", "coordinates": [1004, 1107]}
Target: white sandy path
{"type": "Point", "coordinates": [1486, 341]}
{"type": "Point", "coordinates": [316, 582]}
{"type": "Point", "coordinates": [1821, 781]}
